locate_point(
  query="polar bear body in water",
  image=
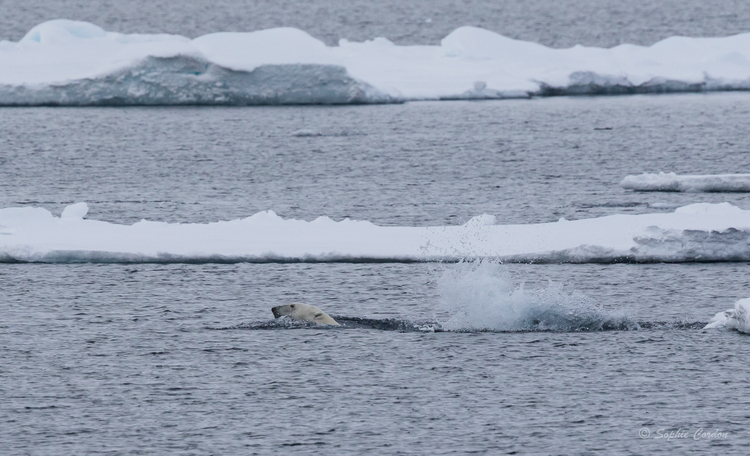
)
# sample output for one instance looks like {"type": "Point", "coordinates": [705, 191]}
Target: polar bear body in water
{"type": "Point", "coordinates": [304, 312]}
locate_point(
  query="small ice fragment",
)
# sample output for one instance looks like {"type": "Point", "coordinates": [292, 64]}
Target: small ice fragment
{"type": "Point", "coordinates": [305, 133]}
{"type": "Point", "coordinates": [482, 220]}
{"type": "Point", "coordinates": [671, 182]}
{"type": "Point", "coordinates": [719, 320]}
{"type": "Point", "coordinates": [737, 318]}
{"type": "Point", "coordinates": [75, 211]}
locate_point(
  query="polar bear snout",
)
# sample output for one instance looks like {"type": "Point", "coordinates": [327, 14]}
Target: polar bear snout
{"type": "Point", "coordinates": [280, 311]}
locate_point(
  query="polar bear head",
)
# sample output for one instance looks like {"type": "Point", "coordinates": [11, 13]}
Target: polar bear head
{"type": "Point", "coordinates": [303, 312]}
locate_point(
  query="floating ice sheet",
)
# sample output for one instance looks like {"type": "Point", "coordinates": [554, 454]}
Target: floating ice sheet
{"type": "Point", "coordinates": [64, 62]}
{"type": "Point", "coordinates": [671, 182]}
{"type": "Point", "coordinates": [699, 232]}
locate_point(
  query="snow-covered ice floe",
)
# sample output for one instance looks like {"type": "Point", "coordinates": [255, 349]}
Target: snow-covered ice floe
{"type": "Point", "coordinates": [64, 62]}
{"type": "Point", "coordinates": [671, 182]}
{"type": "Point", "coordinates": [737, 318]}
{"type": "Point", "coordinates": [699, 232]}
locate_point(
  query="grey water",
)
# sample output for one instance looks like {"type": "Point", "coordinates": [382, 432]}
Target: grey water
{"type": "Point", "coordinates": [185, 358]}
{"type": "Point", "coordinates": [113, 359]}
{"type": "Point", "coordinates": [415, 164]}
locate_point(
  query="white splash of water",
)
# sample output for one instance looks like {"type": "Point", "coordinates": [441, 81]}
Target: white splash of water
{"type": "Point", "coordinates": [737, 318]}
{"type": "Point", "coordinates": [482, 296]}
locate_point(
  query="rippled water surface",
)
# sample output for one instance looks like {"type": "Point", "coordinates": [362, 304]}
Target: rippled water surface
{"type": "Point", "coordinates": [148, 359]}
{"type": "Point", "coordinates": [186, 359]}
{"type": "Point", "coordinates": [415, 164]}
{"type": "Point", "coordinates": [431, 358]}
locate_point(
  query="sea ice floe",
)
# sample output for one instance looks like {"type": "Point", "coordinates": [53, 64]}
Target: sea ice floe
{"type": "Point", "coordinates": [698, 232]}
{"type": "Point", "coordinates": [64, 62]}
{"type": "Point", "coordinates": [671, 182]}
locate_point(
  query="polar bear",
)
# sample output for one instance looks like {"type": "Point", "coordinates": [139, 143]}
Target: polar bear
{"type": "Point", "coordinates": [304, 312]}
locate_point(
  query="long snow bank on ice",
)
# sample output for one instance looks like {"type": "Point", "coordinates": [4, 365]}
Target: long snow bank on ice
{"type": "Point", "coordinates": [699, 232]}
{"type": "Point", "coordinates": [65, 62]}
{"type": "Point", "coordinates": [671, 182]}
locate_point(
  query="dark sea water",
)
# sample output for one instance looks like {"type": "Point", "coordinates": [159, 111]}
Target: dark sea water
{"type": "Point", "coordinates": [415, 164]}
{"type": "Point", "coordinates": [186, 359]}
{"type": "Point", "coordinates": [111, 359]}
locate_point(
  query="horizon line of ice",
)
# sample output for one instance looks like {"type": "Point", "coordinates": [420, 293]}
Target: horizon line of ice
{"type": "Point", "coordinates": [671, 182]}
{"type": "Point", "coordinates": [695, 233]}
{"type": "Point", "coordinates": [63, 62]}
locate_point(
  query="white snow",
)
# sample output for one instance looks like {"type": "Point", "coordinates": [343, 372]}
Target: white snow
{"type": "Point", "coordinates": [737, 318]}
{"type": "Point", "coordinates": [671, 182]}
{"type": "Point", "coordinates": [699, 232]}
{"type": "Point", "coordinates": [75, 211]}
{"type": "Point", "coordinates": [70, 62]}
